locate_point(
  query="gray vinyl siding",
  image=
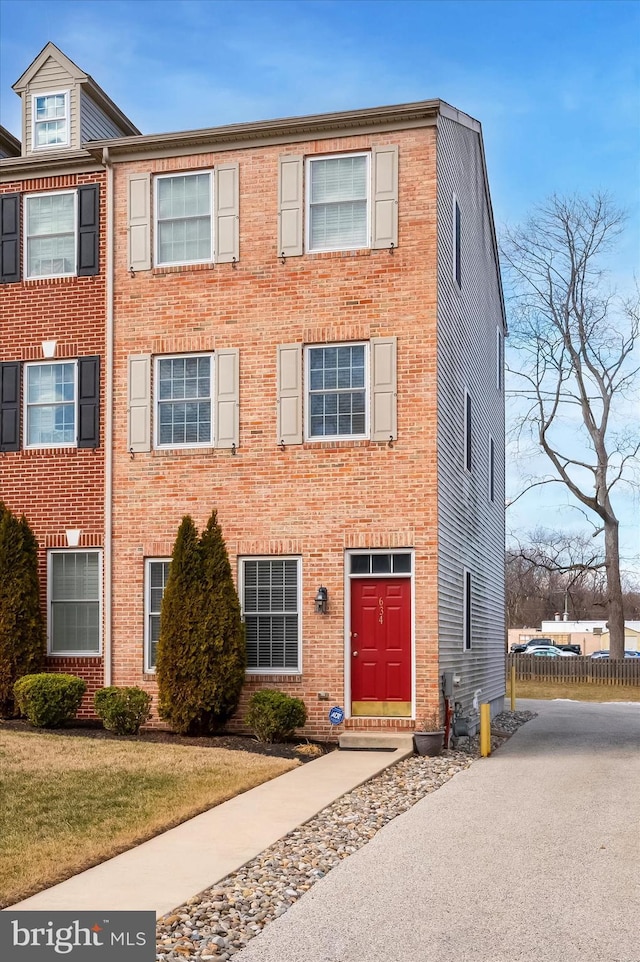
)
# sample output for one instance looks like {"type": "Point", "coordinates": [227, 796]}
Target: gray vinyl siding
{"type": "Point", "coordinates": [50, 78]}
{"type": "Point", "coordinates": [471, 527]}
{"type": "Point", "coordinates": [94, 123]}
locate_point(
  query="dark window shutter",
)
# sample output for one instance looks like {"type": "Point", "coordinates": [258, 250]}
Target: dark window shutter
{"type": "Point", "coordinates": [88, 230]}
{"type": "Point", "coordinates": [458, 246]}
{"type": "Point", "coordinates": [9, 238]}
{"type": "Point", "coordinates": [88, 402]}
{"type": "Point", "coordinates": [10, 406]}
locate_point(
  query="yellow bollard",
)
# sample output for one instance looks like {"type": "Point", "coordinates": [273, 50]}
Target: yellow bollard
{"type": "Point", "coordinates": [485, 730]}
{"type": "Point", "coordinates": [513, 688]}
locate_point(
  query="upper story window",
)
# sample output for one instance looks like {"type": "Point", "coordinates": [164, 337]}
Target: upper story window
{"type": "Point", "coordinates": [468, 431]}
{"type": "Point", "coordinates": [50, 404]}
{"type": "Point", "coordinates": [184, 221]}
{"type": "Point", "coordinates": [457, 242]}
{"type": "Point", "coordinates": [183, 400]}
{"type": "Point", "coordinates": [74, 603]}
{"type": "Point", "coordinates": [337, 390]}
{"type": "Point", "coordinates": [338, 202]}
{"type": "Point", "coordinates": [61, 234]}
{"type": "Point", "coordinates": [59, 400]}
{"type": "Point", "coordinates": [499, 359]}
{"type": "Point", "coordinates": [50, 236]}
{"type": "Point", "coordinates": [344, 391]}
{"type": "Point", "coordinates": [51, 120]}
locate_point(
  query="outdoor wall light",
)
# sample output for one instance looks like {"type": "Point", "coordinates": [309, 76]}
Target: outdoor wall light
{"type": "Point", "coordinates": [322, 600]}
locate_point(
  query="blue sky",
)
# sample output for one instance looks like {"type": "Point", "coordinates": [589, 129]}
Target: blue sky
{"type": "Point", "coordinates": [555, 83]}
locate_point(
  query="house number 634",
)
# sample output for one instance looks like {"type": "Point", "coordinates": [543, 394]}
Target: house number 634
{"type": "Point", "coordinates": [381, 610]}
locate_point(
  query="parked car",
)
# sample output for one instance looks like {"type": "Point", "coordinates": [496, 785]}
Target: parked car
{"type": "Point", "coordinates": [550, 651]}
{"type": "Point", "coordinates": [628, 653]}
{"type": "Point", "coordinates": [532, 643]}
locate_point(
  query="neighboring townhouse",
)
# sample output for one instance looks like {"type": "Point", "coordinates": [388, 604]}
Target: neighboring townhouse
{"type": "Point", "coordinates": [308, 337]}
{"type": "Point", "coordinates": [297, 322]}
{"type": "Point", "coordinates": [53, 296]}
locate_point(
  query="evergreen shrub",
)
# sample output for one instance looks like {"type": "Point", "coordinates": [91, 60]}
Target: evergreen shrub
{"type": "Point", "coordinates": [21, 625]}
{"type": "Point", "coordinates": [122, 710]}
{"type": "Point", "coordinates": [272, 715]}
{"type": "Point", "coordinates": [49, 700]}
{"type": "Point", "coordinates": [201, 649]}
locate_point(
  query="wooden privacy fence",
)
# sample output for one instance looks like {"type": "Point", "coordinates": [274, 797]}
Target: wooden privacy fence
{"type": "Point", "coordinates": [601, 671]}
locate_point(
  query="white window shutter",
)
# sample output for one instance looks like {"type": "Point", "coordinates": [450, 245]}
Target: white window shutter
{"type": "Point", "coordinates": [384, 396]}
{"type": "Point", "coordinates": [384, 214]}
{"type": "Point", "coordinates": [139, 398]}
{"type": "Point", "coordinates": [227, 213]}
{"type": "Point", "coordinates": [139, 225]}
{"type": "Point", "coordinates": [290, 206]}
{"type": "Point", "coordinates": [227, 397]}
{"type": "Point", "coordinates": [289, 394]}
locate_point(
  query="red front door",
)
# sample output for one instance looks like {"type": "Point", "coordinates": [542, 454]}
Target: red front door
{"type": "Point", "coordinates": [381, 646]}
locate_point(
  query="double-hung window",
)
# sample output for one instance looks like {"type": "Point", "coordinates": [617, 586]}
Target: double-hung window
{"type": "Point", "coordinates": [183, 400]}
{"type": "Point", "coordinates": [338, 202]}
{"type": "Point", "coordinates": [270, 589]}
{"type": "Point", "coordinates": [156, 574]}
{"type": "Point", "coordinates": [74, 603]}
{"type": "Point", "coordinates": [50, 404]}
{"type": "Point", "coordinates": [61, 235]}
{"type": "Point", "coordinates": [184, 221]}
{"type": "Point", "coordinates": [50, 235]}
{"type": "Point", "coordinates": [51, 119]}
{"type": "Point", "coordinates": [61, 404]}
{"type": "Point", "coordinates": [337, 378]}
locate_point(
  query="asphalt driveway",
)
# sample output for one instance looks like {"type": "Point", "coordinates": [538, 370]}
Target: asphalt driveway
{"type": "Point", "coordinates": [532, 854]}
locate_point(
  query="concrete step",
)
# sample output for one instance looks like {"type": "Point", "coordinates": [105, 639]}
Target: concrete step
{"type": "Point", "coordinates": [380, 741]}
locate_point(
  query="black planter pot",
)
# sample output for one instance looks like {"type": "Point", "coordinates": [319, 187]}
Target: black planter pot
{"type": "Point", "coordinates": [428, 743]}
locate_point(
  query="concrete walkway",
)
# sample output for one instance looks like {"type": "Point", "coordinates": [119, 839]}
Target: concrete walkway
{"type": "Point", "coordinates": [531, 855]}
{"type": "Point", "coordinates": [167, 870]}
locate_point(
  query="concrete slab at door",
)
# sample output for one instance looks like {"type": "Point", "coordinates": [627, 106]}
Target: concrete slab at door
{"type": "Point", "coordinates": [381, 647]}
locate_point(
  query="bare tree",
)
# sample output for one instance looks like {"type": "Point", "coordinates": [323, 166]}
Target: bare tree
{"type": "Point", "coordinates": [574, 341]}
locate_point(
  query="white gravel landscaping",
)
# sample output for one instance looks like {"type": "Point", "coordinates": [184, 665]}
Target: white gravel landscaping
{"type": "Point", "coordinates": [219, 922]}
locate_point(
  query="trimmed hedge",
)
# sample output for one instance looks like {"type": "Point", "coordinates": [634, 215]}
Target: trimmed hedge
{"type": "Point", "coordinates": [273, 716]}
{"type": "Point", "coordinates": [122, 710]}
{"type": "Point", "coordinates": [49, 700]}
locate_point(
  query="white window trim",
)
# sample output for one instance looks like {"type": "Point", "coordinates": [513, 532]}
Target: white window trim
{"type": "Point", "coordinates": [307, 202]}
{"type": "Point", "coordinates": [67, 118]}
{"type": "Point", "coordinates": [26, 405]}
{"type": "Point", "coordinates": [148, 668]}
{"type": "Point", "coordinates": [499, 360]}
{"type": "Point", "coordinates": [467, 610]}
{"type": "Point", "coordinates": [26, 236]}
{"type": "Point", "coordinates": [467, 453]}
{"type": "Point", "coordinates": [74, 653]}
{"type": "Point", "coordinates": [156, 233]}
{"type": "Point", "coordinates": [455, 260]}
{"type": "Point", "coordinates": [380, 574]}
{"type": "Point", "coordinates": [156, 402]}
{"type": "Point", "coordinates": [275, 557]}
{"type": "Point", "coordinates": [367, 389]}
{"type": "Point", "coordinates": [348, 577]}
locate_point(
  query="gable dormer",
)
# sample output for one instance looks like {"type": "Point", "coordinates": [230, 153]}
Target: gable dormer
{"type": "Point", "coordinates": [63, 107]}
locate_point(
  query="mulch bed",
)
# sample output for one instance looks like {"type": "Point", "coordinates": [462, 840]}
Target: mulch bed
{"type": "Point", "coordinates": [300, 749]}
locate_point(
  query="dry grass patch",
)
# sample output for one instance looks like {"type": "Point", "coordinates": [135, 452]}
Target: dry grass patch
{"type": "Point", "coordinates": [69, 803]}
{"type": "Point", "coordinates": [578, 691]}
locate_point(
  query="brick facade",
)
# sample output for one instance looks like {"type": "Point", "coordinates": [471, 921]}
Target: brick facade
{"type": "Point", "coordinates": [57, 488]}
{"type": "Point", "coordinates": [315, 500]}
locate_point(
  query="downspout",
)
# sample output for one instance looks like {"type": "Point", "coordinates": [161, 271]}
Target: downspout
{"type": "Point", "coordinates": [108, 427]}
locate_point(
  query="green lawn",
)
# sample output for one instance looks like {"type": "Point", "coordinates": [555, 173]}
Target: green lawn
{"type": "Point", "coordinates": [71, 802]}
